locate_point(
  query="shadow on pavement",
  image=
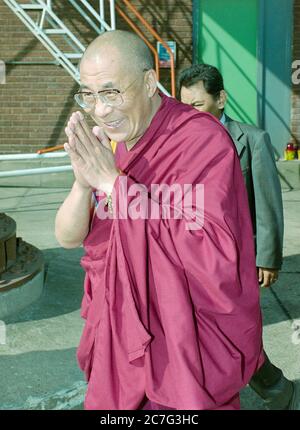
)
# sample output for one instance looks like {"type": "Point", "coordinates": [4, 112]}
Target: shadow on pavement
{"type": "Point", "coordinates": [41, 380]}
{"type": "Point", "coordinates": [282, 301]}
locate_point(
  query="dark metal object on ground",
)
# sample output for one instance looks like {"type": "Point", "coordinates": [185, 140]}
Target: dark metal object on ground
{"type": "Point", "coordinates": [20, 262]}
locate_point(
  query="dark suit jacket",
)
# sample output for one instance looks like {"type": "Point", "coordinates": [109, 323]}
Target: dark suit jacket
{"type": "Point", "coordinates": [264, 192]}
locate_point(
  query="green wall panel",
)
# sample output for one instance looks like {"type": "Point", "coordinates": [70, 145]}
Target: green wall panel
{"type": "Point", "coordinates": [228, 40]}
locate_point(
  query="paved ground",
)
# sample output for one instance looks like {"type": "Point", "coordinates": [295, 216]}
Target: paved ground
{"type": "Point", "coordinates": [38, 368]}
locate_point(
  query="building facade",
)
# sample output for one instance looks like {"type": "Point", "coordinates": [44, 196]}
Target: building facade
{"type": "Point", "coordinates": [255, 43]}
{"type": "Point", "coordinates": [37, 98]}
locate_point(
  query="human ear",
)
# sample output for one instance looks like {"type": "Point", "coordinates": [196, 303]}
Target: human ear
{"type": "Point", "coordinates": [151, 82]}
{"type": "Point", "coordinates": [222, 99]}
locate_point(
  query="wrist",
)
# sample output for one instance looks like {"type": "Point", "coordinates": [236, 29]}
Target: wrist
{"type": "Point", "coordinates": [108, 187]}
{"type": "Point", "coordinates": [81, 188]}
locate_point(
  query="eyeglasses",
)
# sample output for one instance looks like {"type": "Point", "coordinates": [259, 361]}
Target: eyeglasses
{"type": "Point", "coordinates": [111, 97]}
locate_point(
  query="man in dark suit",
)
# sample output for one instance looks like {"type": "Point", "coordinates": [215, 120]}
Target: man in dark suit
{"type": "Point", "coordinates": [202, 86]}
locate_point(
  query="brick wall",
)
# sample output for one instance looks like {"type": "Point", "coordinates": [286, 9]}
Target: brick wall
{"type": "Point", "coordinates": [36, 100]}
{"type": "Point", "coordinates": [295, 114]}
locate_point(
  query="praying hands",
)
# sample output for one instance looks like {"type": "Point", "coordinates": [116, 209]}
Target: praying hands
{"type": "Point", "coordinates": [91, 155]}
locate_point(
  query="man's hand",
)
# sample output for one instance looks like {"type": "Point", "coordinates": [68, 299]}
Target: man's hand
{"type": "Point", "coordinates": [91, 157]}
{"type": "Point", "coordinates": [267, 277]}
{"type": "Point", "coordinates": [78, 176]}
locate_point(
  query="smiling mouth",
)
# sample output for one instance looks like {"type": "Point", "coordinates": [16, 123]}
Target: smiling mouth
{"type": "Point", "coordinates": [114, 124]}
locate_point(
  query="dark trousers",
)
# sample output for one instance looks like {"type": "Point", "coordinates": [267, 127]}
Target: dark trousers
{"type": "Point", "coordinates": [272, 386]}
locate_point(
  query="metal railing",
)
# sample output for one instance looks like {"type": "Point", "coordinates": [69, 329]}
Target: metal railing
{"type": "Point", "coordinates": [47, 15]}
{"type": "Point", "coordinates": [12, 157]}
{"type": "Point", "coordinates": [44, 35]}
{"type": "Point", "coordinates": [36, 171]}
{"type": "Point", "coordinates": [158, 38]}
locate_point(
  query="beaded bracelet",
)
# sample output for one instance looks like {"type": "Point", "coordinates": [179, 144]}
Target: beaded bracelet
{"type": "Point", "coordinates": [109, 203]}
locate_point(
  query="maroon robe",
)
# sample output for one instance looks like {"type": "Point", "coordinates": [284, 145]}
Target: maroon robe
{"type": "Point", "coordinates": [172, 314]}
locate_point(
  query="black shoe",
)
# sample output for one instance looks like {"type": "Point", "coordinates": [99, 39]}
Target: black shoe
{"type": "Point", "coordinates": [277, 392]}
{"type": "Point", "coordinates": [294, 404]}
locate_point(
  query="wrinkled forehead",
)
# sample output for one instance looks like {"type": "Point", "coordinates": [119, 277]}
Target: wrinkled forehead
{"type": "Point", "coordinates": [101, 71]}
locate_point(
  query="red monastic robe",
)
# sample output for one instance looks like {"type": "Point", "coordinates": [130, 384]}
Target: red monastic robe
{"type": "Point", "coordinates": [172, 314]}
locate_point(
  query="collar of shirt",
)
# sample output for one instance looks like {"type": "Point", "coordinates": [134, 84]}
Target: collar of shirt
{"type": "Point", "coordinates": [223, 118]}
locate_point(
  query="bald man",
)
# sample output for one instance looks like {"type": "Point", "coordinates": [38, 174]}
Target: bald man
{"type": "Point", "coordinates": [171, 298]}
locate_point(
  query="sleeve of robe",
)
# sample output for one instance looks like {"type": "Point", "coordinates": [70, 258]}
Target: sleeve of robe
{"type": "Point", "coordinates": [202, 282]}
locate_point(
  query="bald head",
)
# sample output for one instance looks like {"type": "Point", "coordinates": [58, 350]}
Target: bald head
{"type": "Point", "coordinates": [118, 66]}
{"type": "Point", "coordinates": [130, 50]}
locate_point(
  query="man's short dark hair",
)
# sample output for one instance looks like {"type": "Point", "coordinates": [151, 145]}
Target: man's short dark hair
{"type": "Point", "coordinates": [210, 75]}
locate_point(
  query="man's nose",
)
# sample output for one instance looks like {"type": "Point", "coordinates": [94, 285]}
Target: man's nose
{"type": "Point", "coordinates": [102, 109]}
